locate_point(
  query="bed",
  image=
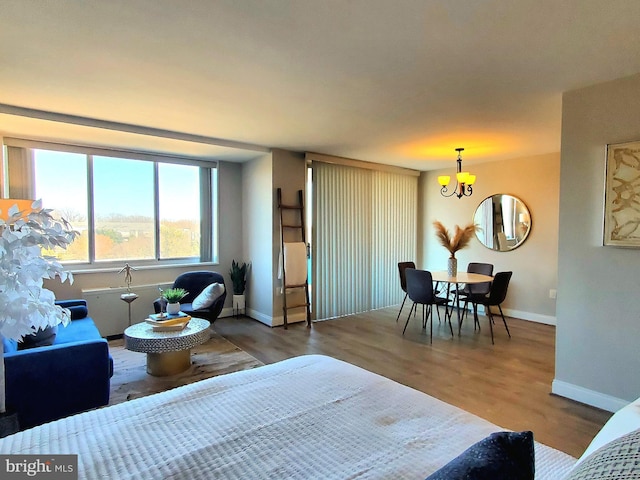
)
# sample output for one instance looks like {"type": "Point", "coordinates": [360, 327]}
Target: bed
{"type": "Point", "coordinates": [307, 417]}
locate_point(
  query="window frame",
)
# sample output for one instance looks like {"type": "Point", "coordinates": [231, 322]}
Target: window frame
{"type": "Point", "coordinates": [209, 201]}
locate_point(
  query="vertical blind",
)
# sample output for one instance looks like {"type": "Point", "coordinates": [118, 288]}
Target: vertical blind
{"type": "Point", "coordinates": [364, 223]}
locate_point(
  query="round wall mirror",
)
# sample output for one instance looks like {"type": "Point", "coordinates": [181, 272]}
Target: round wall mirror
{"type": "Point", "coordinates": [504, 221]}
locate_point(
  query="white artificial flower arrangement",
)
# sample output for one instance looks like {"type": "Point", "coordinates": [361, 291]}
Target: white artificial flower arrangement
{"type": "Point", "coordinates": [26, 305]}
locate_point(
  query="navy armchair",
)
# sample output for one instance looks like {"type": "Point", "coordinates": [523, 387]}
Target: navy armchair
{"type": "Point", "coordinates": [194, 283]}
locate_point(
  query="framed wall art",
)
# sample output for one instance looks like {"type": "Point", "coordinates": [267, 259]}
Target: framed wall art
{"type": "Point", "coordinates": [622, 195]}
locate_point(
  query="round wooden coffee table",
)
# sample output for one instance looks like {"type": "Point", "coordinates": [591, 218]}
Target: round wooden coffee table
{"type": "Point", "coordinates": [168, 353]}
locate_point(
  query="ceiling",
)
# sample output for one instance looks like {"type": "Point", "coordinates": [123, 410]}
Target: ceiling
{"type": "Point", "coordinates": [401, 82]}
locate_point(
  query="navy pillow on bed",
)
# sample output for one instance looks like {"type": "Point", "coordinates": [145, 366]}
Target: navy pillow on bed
{"type": "Point", "coordinates": [502, 455]}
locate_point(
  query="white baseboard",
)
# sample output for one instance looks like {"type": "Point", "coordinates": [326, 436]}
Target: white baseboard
{"type": "Point", "coordinates": [532, 317]}
{"type": "Point", "coordinates": [301, 317]}
{"type": "Point", "coordinates": [291, 318]}
{"type": "Point", "coordinates": [261, 317]}
{"type": "Point", "coordinates": [586, 396]}
{"type": "Point", "coordinates": [266, 319]}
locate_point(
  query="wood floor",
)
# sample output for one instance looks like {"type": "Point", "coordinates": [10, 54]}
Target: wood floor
{"type": "Point", "coordinates": [508, 383]}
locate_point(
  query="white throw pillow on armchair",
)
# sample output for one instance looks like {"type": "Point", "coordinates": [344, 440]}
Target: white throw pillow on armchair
{"type": "Point", "coordinates": [209, 295]}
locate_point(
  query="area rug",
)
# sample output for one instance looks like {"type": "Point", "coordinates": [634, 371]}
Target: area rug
{"type": "Point", "coordinates": [215, 357]}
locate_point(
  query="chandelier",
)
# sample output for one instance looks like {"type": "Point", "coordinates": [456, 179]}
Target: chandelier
{"type": "Point", "coordinates": [464, 180]}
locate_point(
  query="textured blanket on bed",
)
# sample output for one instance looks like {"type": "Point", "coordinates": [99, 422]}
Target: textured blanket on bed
{"type": "Point", "coordinates": [306, 417]}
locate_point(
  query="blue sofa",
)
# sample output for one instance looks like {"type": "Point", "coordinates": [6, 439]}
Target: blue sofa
{"type": "Point", "coordinates": [71, 375]}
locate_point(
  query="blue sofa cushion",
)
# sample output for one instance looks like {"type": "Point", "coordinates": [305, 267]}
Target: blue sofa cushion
{"type": "Point", "coordinates": [42, 338]}
{"type": "Point", "coordinates": [78, 330]}
{"type": "Point", "coordinates": [500, 456]}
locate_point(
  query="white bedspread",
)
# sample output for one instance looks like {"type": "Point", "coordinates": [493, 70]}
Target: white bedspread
{"type": "Point", "coordinates": [307, 417]}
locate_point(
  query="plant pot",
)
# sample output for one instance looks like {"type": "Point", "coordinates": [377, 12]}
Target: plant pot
{"type": "Point", "coordinates": [452, 267]}
{"type": "Point", "coordinates": [238, 303]}
{"type": "Point", "coordinates": [173, 308]}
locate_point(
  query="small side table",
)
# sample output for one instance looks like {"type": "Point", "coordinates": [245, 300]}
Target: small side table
{"type": "Point", "coordinates": [168, 353]}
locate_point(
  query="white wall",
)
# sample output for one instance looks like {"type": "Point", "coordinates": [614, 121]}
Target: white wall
{"type": "Point", "coordinates": [598, 333]}
{"type": "Point", "coordinates": [261, 229]}
{"type": "Point", "coordinates": [256, 238]}
{"type": "Point", "coordinates": [230, 207]}
{"type": "Point", "coordinates": [535, 180]}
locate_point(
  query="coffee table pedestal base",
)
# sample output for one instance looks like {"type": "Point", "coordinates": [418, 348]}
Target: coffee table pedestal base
{"type": "Point", "coordinates": [168, 363]}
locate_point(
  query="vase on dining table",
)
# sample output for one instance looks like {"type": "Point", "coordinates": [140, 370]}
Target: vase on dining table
{"type": "Point", "coordinates": [452, 267]}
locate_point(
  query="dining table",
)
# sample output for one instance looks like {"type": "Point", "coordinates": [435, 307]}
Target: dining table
{"type": "Point", "coordinates": [459, 279]}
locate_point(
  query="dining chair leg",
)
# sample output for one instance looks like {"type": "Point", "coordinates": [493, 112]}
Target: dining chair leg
{"type": "Point", "coordinates": [409, 317]}
{"type": "Point", "coordinates": [504, 321]}
{"type": "Point", "coordinates": [490, 315]}
{"type": "Point", "coordinates": [466, 309]}
{"type": "Point", "coordinates": [492, 319]}
{"type": "Point", "coordinates": [461, 315]}
{"type": "Point", "coordinates": [460, 325]}
{"type": "Point", "coordinates": [424, 319]}
{"type": "Point", "coordinates": [476, 321]}
{"type": "Point", "coordinates": [447, 313]}
{"type": "Point", "coordinates": [402, 306]}
{"type": "Point", "coordinates": [431, 332]}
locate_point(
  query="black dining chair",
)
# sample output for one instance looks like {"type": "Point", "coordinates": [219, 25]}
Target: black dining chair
{"type": "Point", "coordinates": [402, 266]}
{"type": "Point", "coordinates": [475, 288]}
{"type": "Point", "coordinates": [495, 297]}
{"type": "Point", "coordinates": [420, 291]}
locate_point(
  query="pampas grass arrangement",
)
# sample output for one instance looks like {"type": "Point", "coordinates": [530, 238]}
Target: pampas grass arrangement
{"type": "Point", "coordinates": [460, 239]}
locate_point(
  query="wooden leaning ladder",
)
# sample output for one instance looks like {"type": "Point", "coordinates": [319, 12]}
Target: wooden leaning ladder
{"type": "Point", "coordinates": [299, 227]}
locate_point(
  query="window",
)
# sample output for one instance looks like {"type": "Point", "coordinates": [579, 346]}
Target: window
{"type": "Point", "coordinates": [179, 220]}
{"type": "Point", "coordinates": [123, 206]}
{"type": "Point", "coordinates": [61, 182]}
{"type": "Point", "coordinates": [127, 206]}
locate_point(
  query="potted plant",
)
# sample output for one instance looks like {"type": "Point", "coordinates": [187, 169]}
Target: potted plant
{"type": "Point", "coordinates": [26, 306]}
{"type": "Point", "coordinates": [173, 297]}
{"type": "Point", "coordinates": [458, 241]}
{"type": "Point", "coordinates": [238, 274]}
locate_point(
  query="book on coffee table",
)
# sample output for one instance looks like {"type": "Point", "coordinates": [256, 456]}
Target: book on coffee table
{"type": "Point", "coordinates": [169, 323]}
{"type": "Point", "coordinates": [175, 320]}
{"type": "Point", "coordinates": [170, 328]}
{"type": "Point", "coordinates": [163, 317]}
